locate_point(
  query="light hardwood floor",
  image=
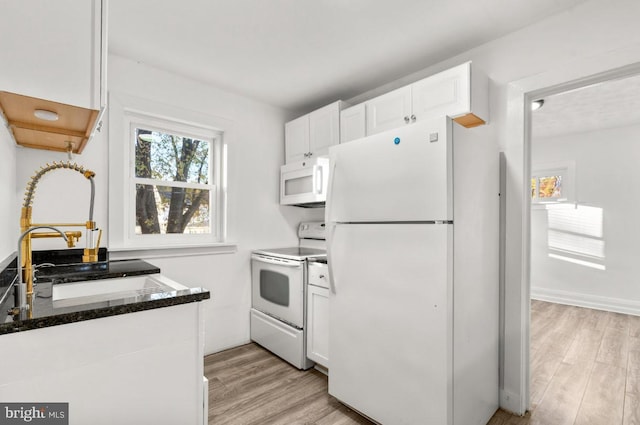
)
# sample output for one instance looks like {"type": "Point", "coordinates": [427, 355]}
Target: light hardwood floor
{"type": "Point", "coordinates": [250, 386]}
{"type": "Point", "coordinates": [585, 370]}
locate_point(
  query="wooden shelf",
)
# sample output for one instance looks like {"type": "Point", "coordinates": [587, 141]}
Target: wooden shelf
{"type": "Point", "coordinates": [75, 125]}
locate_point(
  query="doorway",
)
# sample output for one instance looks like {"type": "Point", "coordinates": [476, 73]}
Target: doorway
{"type": "Point", "coordinates": [583, 255]}
{"type": "Point", "coordinates": [515, 382]}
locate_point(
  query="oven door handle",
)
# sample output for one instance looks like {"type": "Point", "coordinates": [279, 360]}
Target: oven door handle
{"type": "Point", "coordinates": [279, 262]}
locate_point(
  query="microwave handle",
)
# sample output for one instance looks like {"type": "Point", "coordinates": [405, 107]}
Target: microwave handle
{"type": "Point", "coordinates": [317, 179]}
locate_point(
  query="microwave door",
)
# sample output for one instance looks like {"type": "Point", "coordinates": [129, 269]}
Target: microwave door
{"type": "Point", "coordinates": [304, 182]}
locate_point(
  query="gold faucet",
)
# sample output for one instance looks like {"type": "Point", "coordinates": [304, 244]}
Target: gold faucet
{"type": "Point", "coordinates": [90, 252]}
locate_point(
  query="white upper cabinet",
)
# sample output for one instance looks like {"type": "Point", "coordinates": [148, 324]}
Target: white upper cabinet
{"type": "Point", "coordinates": [324, 128]}
{"type": "Point", "coordinates": [313, 134]}
{"type": "Point", "coordinates": [296, 139]}
{"type": "Point", "coordinates": [459, 92]}
{"type": "Point", "coordinates": [55, 50]}
{"type": "Point", "coordinates": [391, 110]}
{"type": "Point", "coordinates": [353, 123]}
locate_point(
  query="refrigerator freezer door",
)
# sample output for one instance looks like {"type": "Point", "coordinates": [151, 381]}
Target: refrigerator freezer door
{"type": "Point", "coordinates": [391, 321]}
{"type": "Point", "coordinates": [399, 175]}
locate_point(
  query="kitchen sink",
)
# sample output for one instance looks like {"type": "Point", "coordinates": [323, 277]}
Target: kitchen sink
{"type": "Point", "coordinates": [89, 291]}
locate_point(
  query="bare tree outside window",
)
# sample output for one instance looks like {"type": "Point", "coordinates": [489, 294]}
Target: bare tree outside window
{"type": "Point", "coordinates": [172, 178]}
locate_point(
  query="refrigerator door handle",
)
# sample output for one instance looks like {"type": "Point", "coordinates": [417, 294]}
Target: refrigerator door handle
{"type": "Point", "coordinates": [332, 284]}
{"type": "Point", "coordinates": [329, 202]}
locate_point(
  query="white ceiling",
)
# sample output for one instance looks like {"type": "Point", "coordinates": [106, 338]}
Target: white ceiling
{"type": "Point", "coordinates": [302, 54]}
{"type": "Point", "coordinates": [609, 104]}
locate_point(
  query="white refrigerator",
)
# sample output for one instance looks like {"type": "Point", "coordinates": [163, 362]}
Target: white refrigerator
{"type": "Point", "coordinates": [413, 336]}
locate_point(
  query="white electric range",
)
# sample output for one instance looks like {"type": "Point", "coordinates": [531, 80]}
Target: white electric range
{"type": "Point", "coordinates": [278, 294]}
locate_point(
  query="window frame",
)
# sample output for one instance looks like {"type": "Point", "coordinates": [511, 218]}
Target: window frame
{"type": "Point", "coordinates": [150, 115]}
{"type": "Point", "coordinates": [135, 120]}
{"type": "Point", "coordinates": [565, 169]}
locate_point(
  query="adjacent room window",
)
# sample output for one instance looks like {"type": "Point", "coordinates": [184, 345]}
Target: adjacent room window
{"type": "Point", "coordinates": [552, 183]}
{"type": "Point", "coordinates": [547, 187]}
{"type": "Point", "coordinates": [174, 185]}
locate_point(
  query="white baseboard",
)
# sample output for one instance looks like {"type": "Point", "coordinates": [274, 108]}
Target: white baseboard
{"type": "Point", "coordinates": [616, 305]}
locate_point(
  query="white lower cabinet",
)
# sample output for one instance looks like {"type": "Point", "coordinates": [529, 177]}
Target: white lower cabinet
{"type": "Point", "coordinates": [137, 368]}
{"type": "Point", "coordinates": [318, 325]}
{"type": "Point", "coordinates": [318, 313]}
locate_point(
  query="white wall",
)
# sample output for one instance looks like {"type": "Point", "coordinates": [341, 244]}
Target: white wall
{"type": "Point", "coordinates": [9, 222]}
{"type": "Point", "coordinates": [606, 176]}
{"type": "Point", "coordinates": [62, 196]}
{"type": "Point", "coordinates": [255, 218]}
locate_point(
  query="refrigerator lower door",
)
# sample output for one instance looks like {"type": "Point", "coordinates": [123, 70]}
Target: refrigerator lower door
{"type": "Point", "coordinates": [390, 342]}
{"type": "Point", "coordinates": [399, 175]}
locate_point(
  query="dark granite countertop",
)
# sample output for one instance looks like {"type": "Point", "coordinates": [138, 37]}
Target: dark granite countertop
{"type": "Point", "coordinates": [65, 273]}
{"type": "Point", "coordinates": [46, 312]}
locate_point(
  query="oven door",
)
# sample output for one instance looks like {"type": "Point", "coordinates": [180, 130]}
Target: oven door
{"type": "Point", "coordinates": [277, 288]}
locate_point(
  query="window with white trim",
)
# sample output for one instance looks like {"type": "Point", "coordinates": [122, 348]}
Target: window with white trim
{"type": "Point", "coordinates": [175, 182]}
{"type": "Point", "coordinates": [553, 183]}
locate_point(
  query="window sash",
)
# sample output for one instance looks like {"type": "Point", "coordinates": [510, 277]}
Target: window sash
{"type": "Point", "coordinates": [186, 185]}
{"type": "Point", "coordinates": [169, 126]}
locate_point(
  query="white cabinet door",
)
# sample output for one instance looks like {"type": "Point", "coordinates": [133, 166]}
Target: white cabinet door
{"type": "Point", "coordinates": [391, 110]}
{"type": "Point", "coordinates": [53, 50]}
{"type": "Point", "coordinates": [318, 325]}
{"type": "Point", "coordinates": [446, 93]}
{"type": "Point", "coordinates": [296, 139]}
{"type": "Point", "coordinates": [461, 93]}
{"type": "Point", "coordinates": [324, 129]}
{"type": "Point", "coordinates": [313, 134]}
{"type": "Point", "coordinates": [353, 123]}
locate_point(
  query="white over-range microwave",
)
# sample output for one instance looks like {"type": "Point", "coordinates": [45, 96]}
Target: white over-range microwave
{"type": "Point", "coordinates": [304, 183]}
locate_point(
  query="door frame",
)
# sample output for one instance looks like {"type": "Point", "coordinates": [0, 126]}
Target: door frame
{"type": "Point", "coordinates": [514, 385]}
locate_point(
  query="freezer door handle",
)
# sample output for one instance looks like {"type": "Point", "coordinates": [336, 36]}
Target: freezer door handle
{"type": "Point", "coordinates": [332, 284]}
